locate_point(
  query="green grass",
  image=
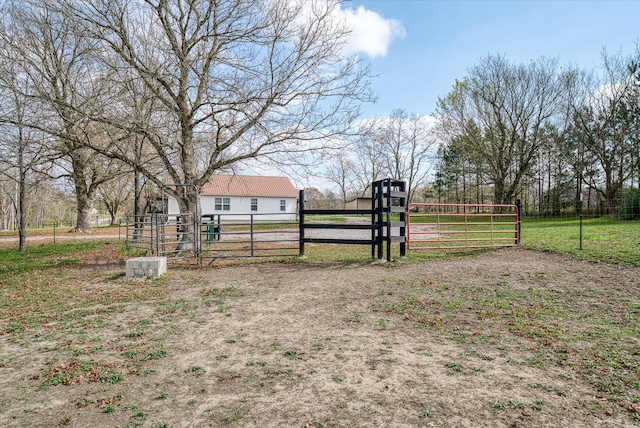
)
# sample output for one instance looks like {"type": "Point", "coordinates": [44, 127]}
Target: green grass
{"type": "Point", "coordinates": [48, 229]}
{"type": "Point", "coordinates": [37, 286]}
{"type": "Point", "coordinates": [13, 262]}
{"type": "Point", "coordinates": [603, 239]}
{"type": "Point", "coordinates": [361, 254]}
{"type": "Point", "coordinates": [559, 324]}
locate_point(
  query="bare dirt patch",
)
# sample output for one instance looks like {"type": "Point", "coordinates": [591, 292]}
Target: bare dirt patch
{"type": "Point", "coordinates": [503, 339]}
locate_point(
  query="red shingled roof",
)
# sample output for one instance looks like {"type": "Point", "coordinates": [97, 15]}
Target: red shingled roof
{"type": "Point", "coordinates": [249, 185]}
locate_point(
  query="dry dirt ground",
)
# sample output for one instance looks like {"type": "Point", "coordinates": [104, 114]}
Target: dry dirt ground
{"type": "Point", "coordinates": [315, 345]}
{"type": "Point", "coordinates": [9, 239]}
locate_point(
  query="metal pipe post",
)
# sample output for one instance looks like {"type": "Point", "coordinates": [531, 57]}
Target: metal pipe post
{"type": "Point", "coordinates": [519, 221]}
{"type": "Point", "coordinates": [301, 223]}
{"type": "Point", "coordinates": [580, 209]}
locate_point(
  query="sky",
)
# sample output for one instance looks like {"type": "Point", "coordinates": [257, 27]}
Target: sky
{"type": "Point", "coordinates": [417, 48]}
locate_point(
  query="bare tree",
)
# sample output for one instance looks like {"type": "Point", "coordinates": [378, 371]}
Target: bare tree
{"type": "Point", "coordinates": [399, 146]}
{"type": "Point", "coordinates": [314, 198]}
{"type": "Point", "coordinates": [368, 157]}
{"type": "Point", "coordinates": [22, 154]}
{"type": "Point", "coordinates": [136, 113]}
{"type": "Point", "coordinates": [115, 193]}
{"type": "Point", "coordinates": [499, 110]}
{"type": "Point", "coordinates": [63, 86]}
{"type": "Point", "coordinates": [408, 142]}
{"type": "Point", "coordinates": [234, 79]}
{"type": "Point", "coordinates": [341, 171]}
{"type": "Point", "coordinates": [7, 206]}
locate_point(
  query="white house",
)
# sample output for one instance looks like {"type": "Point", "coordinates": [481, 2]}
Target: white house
{"type": "Point", "coordinates": [234, 197]}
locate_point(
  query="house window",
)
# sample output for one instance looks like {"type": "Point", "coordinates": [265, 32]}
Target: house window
{"type": "Point", "coordinates": [283, 205]}
{"type": "Point", "coordinates": [254, 204]}
{"type": "Point", "coordinates": [223, 204]}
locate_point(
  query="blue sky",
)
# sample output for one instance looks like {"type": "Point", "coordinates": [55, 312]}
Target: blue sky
{"type": "Point", "coordinates": [427, 44]}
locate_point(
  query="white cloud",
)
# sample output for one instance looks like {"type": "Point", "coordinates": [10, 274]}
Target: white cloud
{"type": "Point", "coordinates": [372, 34]}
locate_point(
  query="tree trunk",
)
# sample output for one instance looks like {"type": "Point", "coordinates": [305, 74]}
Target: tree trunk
{"type": "Point", "coordinates": [22, 216]}
{"type": "Point", "coordinates": [113, 215]}
{"type": "Point", "coordinates": [498, 193]}
{"type": "Point", "coordinates": [84, 205]}
{"type": "Point", "coordinates": [85, 194]}
{"type": "Point", "coordinates": [22, 192]}
{"type": "Point", "coordinates": [189, 218]}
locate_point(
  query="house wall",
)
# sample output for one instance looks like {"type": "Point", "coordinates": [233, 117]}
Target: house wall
{"type": "Point", "coordinates": [240, 206]}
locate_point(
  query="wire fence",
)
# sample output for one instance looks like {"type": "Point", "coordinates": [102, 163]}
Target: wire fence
{"type": "Point", "coordinates": [625, 208]}
{"type": "Point", "coordinates": [597, 233]}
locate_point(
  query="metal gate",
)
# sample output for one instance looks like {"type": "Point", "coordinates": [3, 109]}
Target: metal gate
{"type": "Point", "coordinates": [457, 226]}
{"type": "Point", "coordinates": [163, 235]}
{"type": "Point", "coordinates": [388, 199]}
{"type": "Point", "coordinates": [179, 234]}
{"type": "Point", "coordinates": [178, 241]}
{"type": "Point", "coordinates": [234, 236]}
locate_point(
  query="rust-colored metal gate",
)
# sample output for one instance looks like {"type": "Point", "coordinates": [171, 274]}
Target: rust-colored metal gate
{"type": "Point", "coordinates": [461, 226]}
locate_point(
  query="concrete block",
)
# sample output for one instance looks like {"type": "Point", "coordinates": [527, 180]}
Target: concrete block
{"type": "Point", "coordinates": [146, 267]}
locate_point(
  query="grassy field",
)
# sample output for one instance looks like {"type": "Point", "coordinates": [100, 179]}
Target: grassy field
{"type": "Point", "coordinates": [603, 239]}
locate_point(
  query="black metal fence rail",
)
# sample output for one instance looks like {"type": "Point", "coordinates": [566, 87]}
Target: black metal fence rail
{"type": "Point", "coordinates": [376, 236]}
{"type": "Point", "coordinates": [225, 236]}
{"type": "Point", "coordinates": [306, 225]}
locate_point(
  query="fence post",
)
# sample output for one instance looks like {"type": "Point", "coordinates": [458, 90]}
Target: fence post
{"type": "Point", "coordinates": [519, 220]}
{"type": "Point", "coordinates": [157, 235]}
{"type": "Point", "coordinates": [403, 219]}
{"type": "Point", "coordinates": [580, 209]}
{"type": "Point", "coordinates": [251, 234]}
{"type": "Point", "coordinates": [380, 218]}
{"type": "Point", "coordinates": [301, 223]}
{"type": "Point", "coordinates": [374, 207]}
{"type": "Point", "coordinates": [388, 219]}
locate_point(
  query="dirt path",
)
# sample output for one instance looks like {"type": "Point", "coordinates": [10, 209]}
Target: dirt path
{"type": "Point", "coordinates": [320, 345]}
{"type": "Point", "coordinates": [46, 236]}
